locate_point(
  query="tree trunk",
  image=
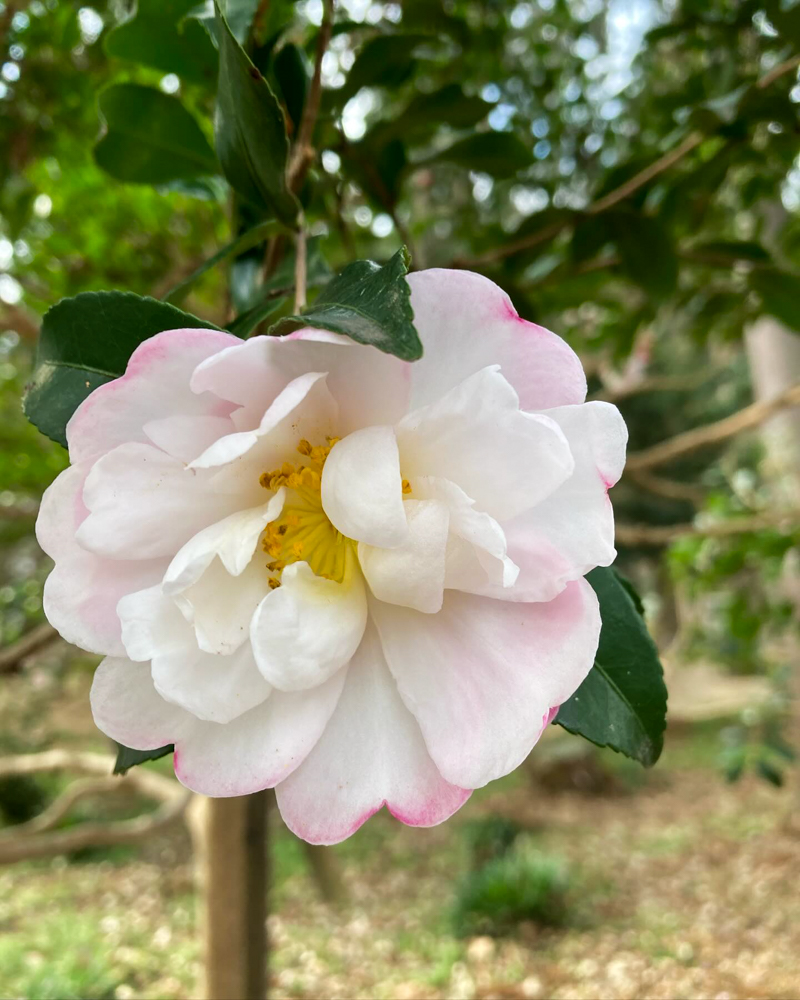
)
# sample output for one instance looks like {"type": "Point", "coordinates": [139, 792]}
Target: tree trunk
{"type": "Point", "coordinates": [231, 850]}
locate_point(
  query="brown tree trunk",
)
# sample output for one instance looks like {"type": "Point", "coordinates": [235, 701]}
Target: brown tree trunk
{"type": "Point", "coordinates": [231, 849]}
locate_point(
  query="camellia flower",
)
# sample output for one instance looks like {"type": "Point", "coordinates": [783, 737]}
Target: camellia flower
{"type": "Point", "coordinates": [313, 566]}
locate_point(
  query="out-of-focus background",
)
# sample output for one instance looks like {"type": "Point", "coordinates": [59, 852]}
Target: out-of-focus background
{"type": "Point", "coordinates": [627, 170]}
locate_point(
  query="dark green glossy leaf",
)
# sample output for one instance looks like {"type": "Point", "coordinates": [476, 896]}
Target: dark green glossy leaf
{"type": "Point", "coordinates": [151, 137]}
{"type": "Point", "coordinates": [731, 251]}
{"type": "Point", "coordinates": [780, 293]}
{"type": "Point", "coordinates": [246, 241]}
{"type": "Point", "coordinates": [647, 252]}
{"type": "Point", "coordinates": [500, 154]}
{"type": "Point", "coordinates": [250, 132]}
{"type": "Point", "coordinates": [369, 303]}
{"type": "Point", "coordinates": [86, 341]}
{"type": "Point", "coordinates": [622, 703]}
{"type": "Point", "coordinates": [384, 61]}
{"type": "Point", "coordinates": [127, 758]}
{"type": "Point", "coordinates": [291, 74]}
{"type": "Point", "coordinates": [246, 322]}
{"type": "Point", "coordinates": [160, 35]}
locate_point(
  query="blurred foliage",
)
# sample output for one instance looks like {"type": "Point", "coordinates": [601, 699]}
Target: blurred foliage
{"type": "Point", "coordinates": [499, 136]}
{"type": "Point", "coordinates": [519, 883]}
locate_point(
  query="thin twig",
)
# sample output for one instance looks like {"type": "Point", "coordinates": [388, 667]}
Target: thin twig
{"type": "Point", "coordinates": [700, 437]}
{"type": "Point", "coordinates": [30, 643]}
{"type": "Point", "coordinates": [644, 176]}
{"type": "Point", "coordinates": [300, 267]}
{"type": "Point", "coordinates": [669, 488]}
{"type": "Point", "coordinates": [61, 807]}
{"type": "Point", "coordinates": [657, 535]}
{"type": "Point", "coordinates": [779, 70]}
{"type": "Point", "coordinates": [625, 190]}
{"type": "Point", "coordinates": [654, 383]}
{"type": "Point", "coordinates": [303, 152]}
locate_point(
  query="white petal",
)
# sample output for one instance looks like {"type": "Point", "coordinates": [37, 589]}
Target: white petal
{"type": "Point", "coordinates": [210, 686]}
{"type": "Point", "coordinates": [143, 504]}
{"type": "Point", "coordinates": [371, 754]}
{"type": "Point", "coordinates": [221, 607]}
{"type": "Point", "coordinates": [81, 593]}
{"type": "Point", "coordinates": [478, 437]}
{"type": "Point", "coordinates": [185, 437]}
{"type": "Point", "coordinates": [261, 747]}
{"type": "Point", "coordinates": [466, 322]}
{"type": "Point", "coordinates": [254, 751]}
{"type": "Point", "coordinates": [571, 531]}
{"type": "Point", "coordinates": [482, 675]}
{"type": "Point", "coordinates": [478, 536]}
{"type": "Point", "coordinates": [233, 540]}
{"type": "Point", "coordinates": [413, 573]}
{"type": "Point", "coordinates": [306, 399]}
{"type": "Point", "coordinates": [362, 490]}
{"type": "Point", "coordinates": [128, 709]}
{"type": "Point", "coordinates": [371, 387]}
{"type": "Point", "coordinates": [308, 628]}
{"type": "Point", "coordinates": [155, 384]}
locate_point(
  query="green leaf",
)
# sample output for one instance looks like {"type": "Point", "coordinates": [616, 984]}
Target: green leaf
{"type": "Point", "coordinates": [779, 293]}
{"type": "Point", "coordinates": [370, 304]}
{"type": "Point", "coordinates": [127, 758]}
{"type": "Point", "coordinates": [291, 75]}
{"type": "Point", "coordinates": [769, 772]}
{"type": "Point", "coordinates": [622, 703]}
{"type": "Point", "coordinates": [250, 131]}
{"type": "Point", "coordinates": [154, 37]}
{"type": "Point", "coordinates": [246, 241]}
{"type": "Point", "coordinates": [246, 322]}
{"type": "Point", "coordinates": [499, 154]}
{"type": "Point", "coordinates": [86, 341]}
{"type": "Point", "coordinates": [648, 255]}
{"type": "Point", "coordinates": [731, 251]}
{"type": "Point", "coordinates": [151, 137]}
{"type": "Point", "coordinates": [384, 61]}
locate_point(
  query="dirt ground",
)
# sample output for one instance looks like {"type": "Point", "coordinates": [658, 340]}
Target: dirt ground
{"type": "Point", "coordinates": [681, 886]}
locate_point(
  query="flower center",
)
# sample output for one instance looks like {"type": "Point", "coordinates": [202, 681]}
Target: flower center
{"type": "Point", "coordinates": [303, 532]}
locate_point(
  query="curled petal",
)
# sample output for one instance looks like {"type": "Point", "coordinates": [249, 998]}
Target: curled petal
{"type": "Point", "coordinates": [412, 574]}
{"type": "Point", "coordinates": [233, 540]}
{"type": "Point", "coordinates": [362, 490]}
{"type": "Point", "coordinates": [308, 628]}
{"type": "Point", "coordinates": [477, 437]}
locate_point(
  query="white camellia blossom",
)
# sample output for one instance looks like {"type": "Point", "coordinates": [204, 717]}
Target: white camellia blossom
{"type": "Point", "coordinates": [313, 566]}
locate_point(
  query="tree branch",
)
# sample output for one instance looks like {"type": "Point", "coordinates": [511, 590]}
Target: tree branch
{"type": "Point", "coordinates": [653, 383]}
{"type": "Point", "coordinates": [30, 643]}
{"type": "Point", "coordinates": [32, 840]}
{"type": "Point", "coordinates": [669, 488]}
{"type": "Point", "coordinates": [701, 437]}
{"type": "Point", "coordinates": [658, 535]}
{"type": "Point", "coordinates": [303, 152]}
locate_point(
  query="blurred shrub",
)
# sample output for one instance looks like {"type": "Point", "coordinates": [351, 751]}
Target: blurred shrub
{"type": "Point", "coordinates": [490, 838]}
{"type": "Point", "coordinates": [522, 884]}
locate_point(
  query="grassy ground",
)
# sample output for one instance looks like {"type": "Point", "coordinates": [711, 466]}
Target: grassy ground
{"type": "Point", "coordinates": [679, 886]}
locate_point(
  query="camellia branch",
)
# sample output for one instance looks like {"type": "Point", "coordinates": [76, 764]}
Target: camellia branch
{"type": "Point", "coordinates": [669, 488]}
{"type": "Point", "coordinates": [700, 437]}
{"type": "Point", "coordinates": [658, 535]}
{"type": "Point", "coordinates": [30, 643]}
{"type": "Point", "coordinates": [300, 268]}
{"type": "Point", "coordinates": [36, 839]}
{"type": "Point", "coordinates": [625, 190]}
{"type": "Point", "coordinates": [303, 152]}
